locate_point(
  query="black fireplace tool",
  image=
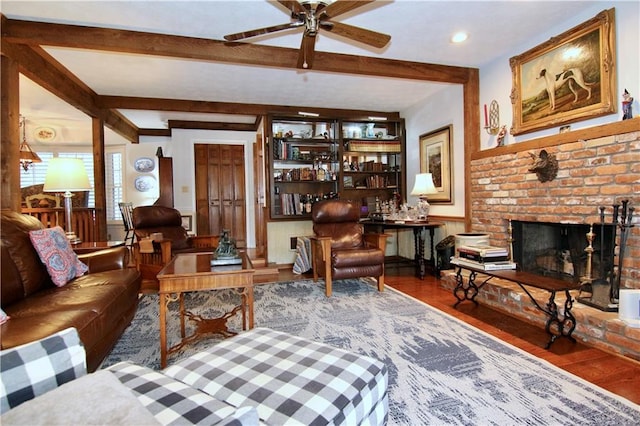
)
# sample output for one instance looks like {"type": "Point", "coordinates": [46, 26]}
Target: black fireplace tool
{"type": "Point", "coordinates": [625, 227]}
{"type": "Point", "coordinates": [605, 289]}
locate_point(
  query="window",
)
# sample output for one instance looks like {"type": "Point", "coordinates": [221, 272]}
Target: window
{"type": "Point", "coordinates": [114, 176]}
{"type": "Point", "coordinates": [113, 184]}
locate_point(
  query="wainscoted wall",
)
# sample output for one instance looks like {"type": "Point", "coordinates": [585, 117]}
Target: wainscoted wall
{"type": "Point", "coordinates": [598, 166]}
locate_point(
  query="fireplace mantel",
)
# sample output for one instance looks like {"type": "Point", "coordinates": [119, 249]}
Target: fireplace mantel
{"type": "Point", "coordinates": [604, 130]}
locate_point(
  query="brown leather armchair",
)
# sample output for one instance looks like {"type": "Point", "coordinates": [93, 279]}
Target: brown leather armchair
{"type": "Point", "coordinates": [340, 249]}
{"type": "Point", "coordinates": [148, 220]}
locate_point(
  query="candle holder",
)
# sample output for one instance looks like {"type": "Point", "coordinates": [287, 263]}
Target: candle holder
{"type": "Point", "coordinates": [587, 277]}
{"type": "Point", "coordinates": [492, 118]}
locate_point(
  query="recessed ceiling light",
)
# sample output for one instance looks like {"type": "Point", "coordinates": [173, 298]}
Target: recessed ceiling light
{"type": "Point", "coordinates": [459, 37]}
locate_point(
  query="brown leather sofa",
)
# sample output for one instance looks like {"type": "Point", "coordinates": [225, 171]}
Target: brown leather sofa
{"type": "Point", "coordinates": [99, 304]}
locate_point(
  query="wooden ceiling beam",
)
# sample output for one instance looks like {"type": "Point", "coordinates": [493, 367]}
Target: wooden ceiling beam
{"type": "Point", "coordinates": [40, 67]}
{"type": "Point", "coordinates": [211, 125]}
{"type": "Point", "coordinates": [154, 132]}
{"type": "Point", "coordinates": [159, 104]}
{"type": "Point", "coordinates": [120, 124]}
{"type": "Point", "coordinates": [145, 43]}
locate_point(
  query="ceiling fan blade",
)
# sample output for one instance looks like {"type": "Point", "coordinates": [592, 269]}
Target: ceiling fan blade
{"type": "Point", "coordinates": [295, 7]}
{"type": "Point", "coordinates": [261, 31]}
{"type": "Point", "coordinates": [339, 7]}
{"type": "Point", "coordinates": [307, 52]}
{"type": "Point", "coordinates": [372, 38]}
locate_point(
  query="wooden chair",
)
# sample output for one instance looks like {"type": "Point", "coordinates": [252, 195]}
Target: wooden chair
{"type": "Point", "coordinates": [340, 249]}
{"type": "Point", "coordinates": [126, 211]}
{"type": "Point", "coordinates": [42, 200]}
{"type": "Point", "coordinates": [151, 256]}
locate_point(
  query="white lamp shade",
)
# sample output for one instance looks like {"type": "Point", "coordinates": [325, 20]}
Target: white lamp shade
{"type": "Point", "coordinates": [424, 185]}
{"type": "Point", "coordinates": [66, 174]}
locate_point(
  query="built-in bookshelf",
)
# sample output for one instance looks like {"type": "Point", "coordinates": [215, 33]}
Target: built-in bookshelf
{"type": "Point", "coordinates": [372, 155]}
{"type": "Point", "coordinates": [314, 159]}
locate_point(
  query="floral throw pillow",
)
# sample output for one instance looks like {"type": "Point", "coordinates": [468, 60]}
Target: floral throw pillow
{"type": "Point", "coordinates": [3, 317]}
{"type": "Point", "coordinates": [55, 252]}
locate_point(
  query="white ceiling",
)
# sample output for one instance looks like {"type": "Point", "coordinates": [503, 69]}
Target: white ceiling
{"type": "Point", "coordinates": [420, 31]}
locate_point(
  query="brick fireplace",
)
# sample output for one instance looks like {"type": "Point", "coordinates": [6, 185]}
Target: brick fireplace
{"type": "Point", "coordinates": [597, 166]}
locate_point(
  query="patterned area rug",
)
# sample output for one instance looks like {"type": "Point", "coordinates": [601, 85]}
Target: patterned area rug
{"type": "Point", "coordinates": [441, 370]}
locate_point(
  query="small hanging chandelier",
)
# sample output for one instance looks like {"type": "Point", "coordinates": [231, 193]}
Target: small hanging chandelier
{"type": "Point", "coordinates": [27, 155]}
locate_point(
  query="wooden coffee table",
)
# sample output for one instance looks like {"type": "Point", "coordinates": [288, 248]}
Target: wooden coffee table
{"type": "Point", "coordinates": [193, 272]}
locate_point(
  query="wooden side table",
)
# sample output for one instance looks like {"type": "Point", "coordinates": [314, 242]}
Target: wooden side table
{"type": "Point", "coordinates": [419, 239]}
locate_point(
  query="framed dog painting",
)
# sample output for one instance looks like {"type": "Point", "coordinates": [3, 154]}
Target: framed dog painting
{"type": "Point", "coordinates": [568, 78]}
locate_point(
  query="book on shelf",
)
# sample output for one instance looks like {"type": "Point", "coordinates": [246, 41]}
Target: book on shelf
{"type": "Point", "coordinates": [482, 259]}
{"type": "Point", "coordinates": [488, 266]}
{"type": "Point", "coordinates": [484, 250]}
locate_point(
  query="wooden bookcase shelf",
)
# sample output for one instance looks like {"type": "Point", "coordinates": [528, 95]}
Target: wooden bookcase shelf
{"type": "Point", "coordinates": [314, 159]}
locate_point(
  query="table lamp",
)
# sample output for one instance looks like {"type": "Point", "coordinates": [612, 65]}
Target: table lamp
{"type": "Point", "coordinates": [422, 187]}
{"type": "Point", "coordinates": [66, 175]}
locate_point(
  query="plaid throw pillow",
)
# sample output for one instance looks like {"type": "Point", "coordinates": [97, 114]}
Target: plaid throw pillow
{"type": "Point", "coordinates": [34, 368]}
{"type": "Point", "coordinates": [57, 255]}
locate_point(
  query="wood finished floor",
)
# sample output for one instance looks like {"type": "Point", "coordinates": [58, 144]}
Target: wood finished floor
{"type": "Point", "coordinates": [614, 373]}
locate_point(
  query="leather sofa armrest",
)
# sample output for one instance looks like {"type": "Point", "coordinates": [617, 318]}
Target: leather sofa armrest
{"type": "Point", "coordinates": [105, 260]}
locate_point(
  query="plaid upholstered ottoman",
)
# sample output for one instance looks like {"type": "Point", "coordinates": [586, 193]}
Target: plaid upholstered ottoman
{"type": "Point", "coordinates": [289, 380]}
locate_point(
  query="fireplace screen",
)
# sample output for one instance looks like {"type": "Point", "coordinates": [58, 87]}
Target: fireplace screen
{"type": "Point", "coordinates": [558, 249]}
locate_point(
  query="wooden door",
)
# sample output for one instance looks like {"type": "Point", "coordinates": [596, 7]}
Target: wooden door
{"type": "Point", "coordinates": [220, 191]}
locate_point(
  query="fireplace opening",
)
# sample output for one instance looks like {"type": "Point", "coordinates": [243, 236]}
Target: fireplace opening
{"type": "Point", "coordinates": [558, 249]}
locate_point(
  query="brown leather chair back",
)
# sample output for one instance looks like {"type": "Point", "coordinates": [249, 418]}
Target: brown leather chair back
{"type": "Point", "coordinates": [150, 219]}
{"type": "Point", "coordinates": [339, 220]}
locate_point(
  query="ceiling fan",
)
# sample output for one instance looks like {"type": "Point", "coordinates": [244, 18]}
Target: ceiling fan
{"type": "Point", "coordinates": [313, 15]}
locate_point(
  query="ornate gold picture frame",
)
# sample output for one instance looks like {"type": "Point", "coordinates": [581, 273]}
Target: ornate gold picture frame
{"type": "Point", "coordinates": [568, 78]}
{"type": "Point", "coordinates": [435, 158]}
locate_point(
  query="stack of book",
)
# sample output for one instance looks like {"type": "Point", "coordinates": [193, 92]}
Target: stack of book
{"type": "Point", "coordinates": [488, 258]}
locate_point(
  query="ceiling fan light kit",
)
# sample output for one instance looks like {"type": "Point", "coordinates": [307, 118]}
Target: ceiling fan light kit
{"type": "Point", "coordinates": [314, 15]}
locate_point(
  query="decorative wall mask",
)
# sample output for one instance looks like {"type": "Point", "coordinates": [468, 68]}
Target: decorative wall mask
{"type": "Point", "coordinates": [545, 166]}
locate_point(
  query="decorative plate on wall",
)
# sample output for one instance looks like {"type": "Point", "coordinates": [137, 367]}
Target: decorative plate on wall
{"type": "Point", "coordinates": [44, 134]}
{"type": "Point", "coordinates": [145, 183]}
{"type": "Point", "coordinates": [144, 165]}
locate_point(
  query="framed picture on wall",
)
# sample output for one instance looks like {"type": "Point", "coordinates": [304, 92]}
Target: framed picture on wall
{"type": "Point", "coordinates": [436, 158]}
{"type": "Point", "coordinates": [187, 222]}
{"type": "Point", "coordinates": [566, 79]}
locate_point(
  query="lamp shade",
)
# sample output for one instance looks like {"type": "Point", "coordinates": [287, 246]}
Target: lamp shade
{"type": "Point", "coordinates": [27, 154]}
{"type": "Point", "coordinates": [66, 174]}
{"type": "Point", "coordinates": [424, 185]}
